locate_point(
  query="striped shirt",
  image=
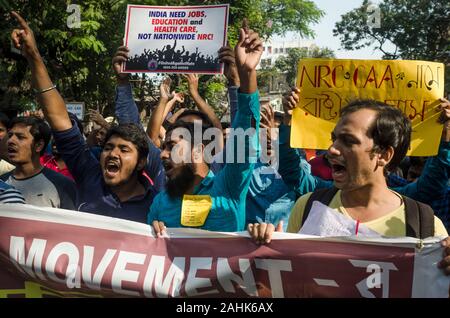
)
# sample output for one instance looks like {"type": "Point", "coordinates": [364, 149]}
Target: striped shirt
{"type": "Point", "coordinates": [10, 195]}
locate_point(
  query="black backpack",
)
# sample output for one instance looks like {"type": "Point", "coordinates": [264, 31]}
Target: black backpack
{"type": "Point", "coordinates": [419, 216]}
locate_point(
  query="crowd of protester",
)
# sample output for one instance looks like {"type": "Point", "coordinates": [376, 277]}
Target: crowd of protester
{"type": "Point", "coordinates": [154, 175]}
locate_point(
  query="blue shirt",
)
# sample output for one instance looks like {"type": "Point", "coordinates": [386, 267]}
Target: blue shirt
{"type": "Point", "coordinates": [94, 196]}
{"type": "Point", "coordinates": [228, 189]}
{"type": "Point", "coordinates": [268, 199]}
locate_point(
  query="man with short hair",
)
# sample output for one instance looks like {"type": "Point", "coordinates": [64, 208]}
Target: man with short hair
{"type": "Point", "coordinates": [114, 186]}
{"type": "Point", "coordinates": [27, 139]}
{"type": "Point", "coordinates": [369, 138]}
{"type": "Point", "coordinates": [195, 196]}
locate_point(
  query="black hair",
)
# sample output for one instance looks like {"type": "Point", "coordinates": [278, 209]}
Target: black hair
{"type": "Point", "coordinates": [417, 161]}
{"type": "Point", "coordinates": [225, 125]}
{"type": "Point", "coordinates": [190, 127]}
{"type": "Point", "coordinates": [39, 129]}
{"type": "Point", "coordinates": [132, 133]}
{"type": "Point", "coordinates": [391, 128]}
{"type": "Point", "coordinates": [4, 119]}
{"type": "Point", "coordinates": [190, 112]}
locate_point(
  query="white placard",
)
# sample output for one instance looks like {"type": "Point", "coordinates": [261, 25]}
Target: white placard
{"type": "Point", "coordinates": [76, 108]}
{"type": "Point", "coordinates": [175, 39]}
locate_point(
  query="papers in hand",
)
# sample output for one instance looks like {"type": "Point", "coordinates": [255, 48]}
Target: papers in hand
{"type": "Point", "coordinates": [324, 221]}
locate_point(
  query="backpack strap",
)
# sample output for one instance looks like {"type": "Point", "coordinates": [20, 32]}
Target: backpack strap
{"type": "Point", "coordinates": [419, 219]}
{"type": "Point", "coordinates": [324, 196]}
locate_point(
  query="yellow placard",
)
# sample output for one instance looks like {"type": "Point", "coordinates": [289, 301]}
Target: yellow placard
{"type": "Point", "coordinates": [328, 85]}
{"type": "Point", "coordinates": [195, 209]}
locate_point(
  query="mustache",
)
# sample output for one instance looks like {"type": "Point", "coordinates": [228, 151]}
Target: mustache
{"type": "Point", "coordinates": [12, 146]}
{"type": "Point", "coordinates": [335, 160]}
{"type": "Point", "coordinates": [167, 164]}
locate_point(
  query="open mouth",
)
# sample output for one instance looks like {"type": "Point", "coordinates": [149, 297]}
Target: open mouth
{"type": "Point", "coordinates": [167, 165]}
{"type": "Point", "coordinates": [12, 151]}
{"type": "Point", "coordinates": [112, 168]}
{"type": "Point", "coordinates": [169, 168]}
{"type": "Point", "coordinates": [338, 170]}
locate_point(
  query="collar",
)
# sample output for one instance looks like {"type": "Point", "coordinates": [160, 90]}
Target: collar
{"type": "Point", "coordinates": [206, 181]}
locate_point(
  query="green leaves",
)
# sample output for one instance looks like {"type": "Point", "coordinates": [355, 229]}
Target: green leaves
{"type": "Point", "coordinates": [79, 59]}
{"type": "Point", "coordinates": [87, 43]}
{"type": "Point", "coordinates": [417, 30]}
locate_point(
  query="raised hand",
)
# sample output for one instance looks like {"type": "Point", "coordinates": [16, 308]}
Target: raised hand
{"type": "Point", "coordinates": [267, 122]}
{"type": "Point", "coordinates": [119, 58]}
{"type": "Point", "coordinates": [192, 80]}
{"type": "Point", "coordinates": [23, 38]}
{"type": "Point", "coordinates": [226, 56]}
{"type": "Point", "coordinates": [249, 49]}
{"type": "Point", "coordinates": [267, 116]}
{"type": "Point", "coordinates": [178, 97]}
{"type": "Point", "coordinates": [164, 88]}
{"type": "Point", "coordinates": [97, 118]}
{"type": "Point", "coordinates": [290, 101]}
{"type": "Point", "coordinates": [176, 115]}
{"type": "Point", "coordinates": [47, 95]}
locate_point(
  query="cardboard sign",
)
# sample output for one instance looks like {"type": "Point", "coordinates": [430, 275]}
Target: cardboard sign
{"type": "Point", "coordinates": [329, 85]}
{"type": "Point", "coordinates": [195, 209]}
{"type": "Point", "coordinates": [76, 108]}
{"type": "Point", "coordinates": [175, 39]}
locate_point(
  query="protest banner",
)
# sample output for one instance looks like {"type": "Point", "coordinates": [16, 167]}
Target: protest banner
{"type": "Point", "coordinates": [175, 39]}
{"type": "Point", "coordinates": [76, 108]}
{"type": "Point", "coordinates": [328, 85]}
{"type": "Point", "coordinates": [47, 252]}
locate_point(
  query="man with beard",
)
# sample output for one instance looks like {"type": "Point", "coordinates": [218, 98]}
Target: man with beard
{"type": "Point", "coordinates": [195, 197]}
{"type": "Point", "coordinates": [27, 139]}
{"type": "Point", "coordinates": [114, 186]}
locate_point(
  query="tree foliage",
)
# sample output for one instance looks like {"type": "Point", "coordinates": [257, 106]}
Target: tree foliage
{"type": "Point", "coordinates": [79, 59]}
{"type": "Point", "coordinates": [417, 29]}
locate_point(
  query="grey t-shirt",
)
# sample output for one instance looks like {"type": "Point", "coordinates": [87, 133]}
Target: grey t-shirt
{"type": "Point", "coordinates": [47, 189]}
